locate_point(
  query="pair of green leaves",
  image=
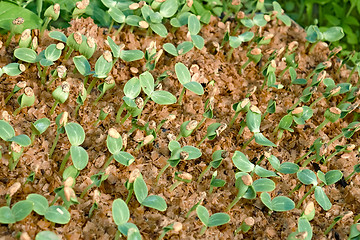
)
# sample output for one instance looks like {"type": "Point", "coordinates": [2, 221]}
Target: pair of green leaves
{"type": "Point", "coordinates": [125, 55]}
{"type": "Point", "coordinates": [46, 58]}
{"type": "Point", "coordinates": [121, 216]}
{"type": "Point", "coordinates": [214, 220]}
{"type": "Point", "coordinates": [7, 133]}
{"type": "Point", "coordinates": [115, 146]}
{"type": "Point", "coordinates": [12, 69]}
{"type": "Point", "coordinates": [308, 177]}
{"type": "Point", "coordinates": [176, 149]}
{"type": "Point", "coordinates": [76, 136]}
{"type": "Point", "coordinates": [332, 34]}
{"type": "Point", "coordinates": [184, 78]}
{"type": "Point", "coordinates": [18, 212]}
{"type": "Point", "coordinates": [277, 204]}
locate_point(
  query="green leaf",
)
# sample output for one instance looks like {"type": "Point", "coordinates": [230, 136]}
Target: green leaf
{"type": "Point", "coordinates": [184, 47]}
{"type": "Point", "coordinates": [262, 140]}
{"type": "Point", "coordinates": [40, 203]}
{"type": "Point", "coordinates": [82, 65]}
{"type": "Point", "coordinates": [195, 87]}
{"type": "Point", "coordinates": [70, 171]}
{"type": "Point", "coordinates": [192, 151]}
{"type": "Point", "coordinates": [116, 14]}
{"type": "Point", "coordinates": [22, 209]}
{"type": "Point", "coordinates": [322, 199]}
{"type": "Point", "coordinates": [174, 145]}
{"type": "Point", "coordinates": [133, 234]}
{"type": "Point", "coordinates": [198, 41]}
{"type": "Point", "coordinates": [333, 34]}
{"type": "Point", "coordinates": [12, 69]}
{"type": "Point", "coordinates": [182, 73]}
{"type": "Point", "coordinates": [307, 177]}
{"type": "Point", "coordinates": [170, 48]}
{"type": "Point", "coordinates": [131, 55]}
{"type": "Point", "coordinates": [263, 185]}
{"type": "Point", "coordinates": [305, 226]}
{"type": "Point", "coordinates": [57, 214]}
{"type": "Point", "coordinates": [124, 228]}
{"type": "Point", "coordinates": [147, 83]}
{"type": "Point", "coordinates": [120, 212]}
{"type": "Point", "coordinates": [275, 162]}
{"type": "Point", "coordinates": [266, 200]}
{"type": "Point", "coordinates": [140, 189]}
{"type": "Point", "coordinates": [115, 49]}
{"type": "Point", "coordinates": [52, 53]}
{"type": "Point", "coordinates": [58, 36]}
{"type": "Point", "coordinates": [288, 168]}
{"type": "Point", "coordinates": [193, 25]}
{"type": "Point", "coordinates": [41, 125]}
{"type": "Point", "coordinates": [241, 162]}
{"type": "Point", "coordinates": [79, 157]}
{"type": "Point", "coordinates": [155, 202]}
{"type": "Point", "coordinates": [25, 54]}
{"type": "Point", "coordinates": [159, 29]}
{"type": "Point", "coordinates": [102, 67]}
{"type": "Point", "coordinates": [10, 11]}
{"type": "Point", "coordinates": [282, 204]}
{"type": "Point", "coordinates": [22, 140]}
{"type": "Point", "coordinates": [133, 20]}
{"type": "Point", "coordinates": [6, 216]}
{"type": "Point", "coordinates": [114, 144]}
{"type": "Point", "coordinates": [75, 133]}
{"type": "Point", "coordinates": [169, 8]}
{"type": "Point", "coordinates": [253, 120]}
{"type": "Point", "coordinates": [286, 122]}
{"type": "Point", "coordinates": [259, 20]}
{"type": "Point", "coordinates": [163, 97]}
{"type": "Point", "coordinates": [218, 219]}
{"type": "Point", "coordinates": [203, 214]}
{"type": "Point", "coordinates": [46, 235]}
{"type": "Point", "coordinates": [333, 176]}
{"type": "Point", "coordinates": [262, 172]}
{"type": "Point", "coordinates": [124, 158]}
{"type": "Point", "coordinates": [132, 88]}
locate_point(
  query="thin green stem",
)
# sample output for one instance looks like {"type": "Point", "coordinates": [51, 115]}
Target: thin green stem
{"type": "Point", "coordinates": [161, 172]}
{"type": "Point", "coordinates": [87, 189]}
{"type": "Point", "coordinates": [329, 157]}
{"type": "Point", "coordinates": [68, 53]}
{"type": "Point", "coordinates": [8, 40]}
{"type": "Point", "coordinates": [17, 111]}
{"type": "Point", "coordinates": [283, 72]}
{"type": "Point", "coordinates": [86, 80]}
{"type": "Point", "coordinates": [203, 230]}
{"type": "Point", "coordinates": [348, 177]}
{"type": "Point", "coordinates": [130, 193]}
{"type": "Point", "coordinates": [54, 144]}
{"type": "Point", "coordinates": [175, 185]}
{"type": "Point", "coordinates": [126, 117]}
{"type": "Point", "coordinates": [44, 26]}
{"type": "Point", "coordinates": [203, 173]}
{"type": "Point", "coordinates": [119, 30]}
{"type": "Point", "coordinates": [92, 84]}
{"type": "Point", "coordinates": [244, 66]}
{"type": "Point", "coordinates": [119, 112]}
{"type": "Point", "coordinates": [313, 47]}
{"type": "Point", "coordinates": [98, 98]}
{"type": "Point", "coordinates": [202, 140]}
{"type": "Point", "coordinates": [107, 163]}
{"type": "Point", "coordinates": [297, 187]}
{"type": "Point", "coordinates": [229, 54]}
{"type": "Point", "coordinates": [77, 110]}
{"type": "Point", "coordinates": [8, 97]}
{"type": "Point", "coordinates": [305, 195]}
{"type": "Point", "coordinates": [64, 161]}
{"type": "Point", "coordinates": [32, 137]}
{"type": "Point", "coordinates": [53, 107]}
{"type": "Point", "coordinates": [200, 123]}
{"type": "Point", "coordinates": [233, 119]}
{"type": "Point", "coordinates": [295, 105]}
{"type": "Point", "coordinates": [351, 73]}
{"type": "Point", "coordinates": [54, 200]}
{"type": "Point", "coordinates": [308, 160]}
{"type": "Point", "coordinates": [332, 225]}
{"type": "Point", "coordinates": [111, 25]}
{"type": "Point", "coordinates": [145, 101]}
{"type": "Point", "coordinates": [303, 156]}
{"type": "Point", "coordinates": [326, 121]}
{"type": "Point", "coordinates": [316, 101]}
{"type": "Point", "coordinates": [43, 75]}
{"type": "Point", "coordinates": [181, 96]}
{"type": "Point", "coordinates": [248, 141]}
{"type": "Point", "coordinates": [335, 138]}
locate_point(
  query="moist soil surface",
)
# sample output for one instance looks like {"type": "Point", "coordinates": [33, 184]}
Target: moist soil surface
{"type": "Point", "coordinates": [229, 87]}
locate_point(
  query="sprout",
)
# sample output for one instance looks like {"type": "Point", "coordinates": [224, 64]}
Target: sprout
{"type": "Point", "coordinates": [108, 84]}
{"type": "Point", "coordinates": [217, 158]}
{"type": "Point", "coordinates": [25, 39]}
{"type": "Point", "coordinates": [39, 127]}
{"type": "Point", "coordinates": [253, 55]}
{"type": "Point", "coordinates": [61, 121]}
{"type": "Point", "coordinates": [176, 226]}
{"type": "Point", "coordinates": [213, 131]}
{"type": "Point", "coordinates": [18, 212]}
{"type": "Point", "coordinates": [331, 115]}
{"type": "Point", "coordinates": [214, 182]}
{"type": "Point", "coordinates": [245, 225]}
{"type": "Point", "coordinates": [87, 47]}
{"type": "Point", "coordinates": [80, 100]}
{"type": "Point", "coordinates": [96, 201]}
{"type": "Point", "coordinates": [356, 170]}
{"type": "Point", "coordinates": [80, 8]}
{"type": "Point", "coordinates": [16, 26]}
{"type": "Point", "coordinates": [51, 13]}
{"type": "Point", "coordinates": [26, 99]}
{"type": "Point", "coordinates": [104, 112]}
{"type": "Point", "coordinates": [18, 86]}
{"type": "Point", "coordinates": [97, 180]}
{"type": "Point", "coordinates": [60, 94]}
{"type": "Point", "coordinates": [216, 219]}
{"type": "Point", "coordinates": [186, 129]}
{"type": "Point", "coordinates": [180, 177]}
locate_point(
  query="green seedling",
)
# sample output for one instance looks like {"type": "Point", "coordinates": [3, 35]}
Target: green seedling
{"type": "Point", "coordinates": [254, 56]}
{"type": "Point", "coordinates": [116, 15]}
{"type": "Point", "coordinates": [121, 216]}
{"type": "Point", "coordinates": [108, 84]}
{"type": "Point", "coordinates": [80, 8]}
{"type": "Point", "coordinates": [60, 72]}
{"type": "Point", "coordinates": [80, 100]}
{"type": "Point", "coordinates": [180, 177]}
{"type": "Point", "coordinates": [270, 109]}
{"type": "Point", "coordinates": [97, 180]}
{"type": "Point", "coordinates": [60, 121]}
{"type": "Point", "coordinates": [339, 149]}
{"type": "Point", "coordinates": [214, 130]}
{"type": "Point", "coordinates": [305, 97]}
{"type": "Point", "coordinates": [73, 42]}
{"type": "Point", "coordinates": [147, 140]}
{"type": "Point", "coordinates": [314, 35]}
{"type": "Point", "coordinates": [45, 235]}
{"type": "Point", "coordinates": [245, 225]}
{"type": "Point", "coordinates": [104, 112]}
{"type": "Point", "coordinates": [16, 27]}
{"type": "Point", "coordinates": [333, 90]}
{"type": "Point", "coordinates": [51, 13]}
{"type": "Point", "coordinates": [153, 20]}
{"type": "Point", "coordinates": [83, 66]}
{"type": "Point", "coordinates": [11, 191]}
{"type": "Point", "coordinates": [208, 111]}
{"type": "Point", "coordinates": [277, 204]}
{"type": "Point", "coordinates": [25, 39]}
{"type": "Point", "coordinates": [214, 220]}
{"type": "Point", "coordinates": [356, 170]}
{"type": "Point", "coordinates": [304, 230]}
{"type": "Point", "coordinates": [176, 226]}
{"type": "Point", "coordinates": [47, 58]}
{"type": "Point", "coordinates": [96, 201]}
{"type": "Point", "coordinates": [242, 106]}
{"type": "Point", "coordinates": [178, 153]}
{"type": "Point", "coordinates": [347, 132]}
{"type": "Point", "coordinates": [259, 20]}
{"type": "Point", "coordinates": [87, 47]}
{"type": "Point", "coordinates": [18, 86]}
{"type": "Point", "coordinates": [217, 158]}
{"type": "Point", "coordinates": [186, 129]}
{"type": "Point", "coordinates": [103, 66]}
{"type": "Point", "coordinates": [285, 167]}
{"type": "Point", "coordinates": [26, 99]}
{"type": "Point", "coordinates": [18, 212]}
{"type": "Point", "coordinates": [181, 49]}
{"type": "Point", "coordinates": [355, 68]}
{"type": "Point", "coordinates": [60, 94]}
{"type": "Point", "coordinates": [141, 193]}
{"type": "Point", "coordinates": [279, 14]}
{"type": "Point", "coordinates": [331, 115]}
{"type": "Point", "coordinates": [199, 201]}
{"type": "Point", "coordinates": [270, 77]}
{"type": "Point", "coordinates": [244, 183]}
{"type": "Point", "coordinates": [125, 55]}
{"type": "Point", "coordinates": [132, 90]}
{"type": "Point", "coordinates": [194, 27]}
{"type": "Point", "coordinates": [253, 121]}
{"type": "Point", "coordinates": [114, 143]}
{"type": "Point", "coordinates": [215, 182]}
{"type": "Point", "coordinates": [79, 156]}
{"type": "Point", "coordinates": [66, 193]}
{"type": "Point", "coordinates": [12, 69]}
{"type": "Point", "coordinates": [290, 63]}
{"type": "Point", "coordinates": [308, 177]}
{"type": "Point", "coordinates": [186, 81]}
{"type": "Point", "coordinates": [315, 147]}
{"type": "Point", "coordinates": [152, 56]}
{"type": "Point", "coordinates": [17, 143]}
{"type": "Point", "coordinates": [39, 127]}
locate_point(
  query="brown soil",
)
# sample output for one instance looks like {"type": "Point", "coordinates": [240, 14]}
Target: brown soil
{"type": "Point", "coordinates": [230, 87]}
